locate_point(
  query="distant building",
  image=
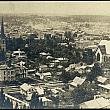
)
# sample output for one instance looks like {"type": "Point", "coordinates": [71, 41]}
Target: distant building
{"type": "Point", "coordinates": [102, 80]}
{"type": "Point", "coordinates": [103, 51]}
{"type": "Point", "coordinates": [46, 102]}
{"type": "Point", "coordinates": [98, 103]}
{"type": "Point", "coordinates": [27, 90]}
{"type": "Point", "coordinates": [8, 73]}
{"type": "Point", "coordinates": [104, 88]}
{"type": "Point", "coordinates": [17, 101]}
{"type": "Point", "coordinates": [19, 54]}
{"type": "Point", "coordinates": [12, 73]}
{"type": "Point", "coordinates": [39, 90]}
{"type": "Point", "coordinates": [77, 81]}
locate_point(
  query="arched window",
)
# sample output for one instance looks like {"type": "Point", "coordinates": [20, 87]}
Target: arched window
{"type": "Point", "coordinates": [98, 57]}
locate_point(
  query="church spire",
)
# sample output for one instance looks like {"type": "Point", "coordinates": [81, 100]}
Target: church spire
{"type": "Point", "coordinates": [2, 28]}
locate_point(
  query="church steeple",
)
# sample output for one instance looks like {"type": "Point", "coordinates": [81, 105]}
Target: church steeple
{"type": "Point", "coordinates": [2, 28]}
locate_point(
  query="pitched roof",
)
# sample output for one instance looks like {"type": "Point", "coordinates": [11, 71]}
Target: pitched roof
{"type": "Point", "coordinates": [96, 103]}
{"type": "Point", "coordinates": [102, 49]}
{"type": "Point", "coordinates": [107, 86]}
{"type": "Point", "coordinates": [54, 91]}
{"type": "Point", "coordinates": [39, 90]}
{"type": "Point", "coordinates": [101, 79]}
{"type": "Point", "coordinates": [46, 74]}
{"type": "Point", "coordinates": [77, 81]}
{"type": "Point", "coordinates": [44, 99]}
{"type": "Point", "coordinates": [25, 86]}
{"type": "Point", "coordinates": [93, 47]}
{"type": "Point", "coordinates": [107, 45]}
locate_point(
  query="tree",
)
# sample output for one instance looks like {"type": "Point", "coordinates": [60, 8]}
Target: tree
{"type": "Point", "coordinates": [96, 71]}
{"type": "Point", "coordinates": [2, 98]}
{"type": "Point", "coordinates": [7, 104]}
{"type": "Point", "coordinates": [88, 56]}
{"type": "Point", "coordinates": [83, 93]}
{"type": "Point", "coordinates": [24, 107]}
{"type": "Point", "coordinates": [65, 77]}
{"type": "Point", "coordinates": [34, 101]}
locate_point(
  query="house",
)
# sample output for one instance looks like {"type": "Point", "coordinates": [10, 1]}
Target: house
{"type": "Point", "coordinates": [27, 90]}
{"type": "Point", "coordinates": [71, 66]}
{"type": "Point", "coordinates": [46, 102]}
{"type": "Point", "coordinates": [98, 103]}
{"type": "Point", "coordinates": [54, 92]}
{"type": "Point", "coordinates": [43, 54]}
{"type": "Point", "coordinates": [56, 62]}
{"type": "Point", "coordinates": [62, 60]}
{"type": "Point", "coordinates": [46, 75]}
{"type": "Point", "coordinates": [31, 71]}
{"type": "Point", "coordinates": [104, 88]}
{"type": "Point", "coordinates": [101, 54]}
{"type": "Point", "coordinates": [39, 90]}
{"type": "Point", "coordinates": [39, 75]}
{"type": "Point", "coordinates": [103, 51]}
{"type": "Point", "coordinates": [43, 68]}
{"type": "Point", "coordinates": [81, 69]}
{"type": "Point", "coordinates": [102, 80]}
{"type": "Point", "coordinates": [15, 101]}
{"type": "Point", "coordinates": [51, 65]}
{"type": "Point", "coordinates": [49, 57]}
{"type": "Point", "coordinates": [59, 67]}
{"type": "Point", "coordinates": [77, 81]}
{"type": "Point", "coordinates": [9, 73]}
{"type": "Point", "coordinates": [19, 54]}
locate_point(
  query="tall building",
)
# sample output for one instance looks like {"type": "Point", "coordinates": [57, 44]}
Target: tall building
{"type": "Point", "coordinates": [2, 38]}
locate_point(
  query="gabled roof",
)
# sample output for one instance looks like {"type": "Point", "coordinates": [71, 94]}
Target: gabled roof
{"type": "Point", "coordinates": [107, 86]}
{"type": "Point", "coordinates": [101, 79]}
{"type": "Point", "coordinates": [25, 87]}
{"type": "Point", "coordinates": [107, 46]}
{"type": "Point", "coordinates": [46, 74]}
{"type": "Point", "coordinates": [93, 47]}
{"type": "Point", "coordinates": [44, 99]}
{"type": "Point", "coordinates": [102, 49]}
{"type": "Point", "coordinates": [39, 90]}
{"type": "Point", "coordinates": [77, 81]}
{"type": "Point", "coordinates": [96, 103]}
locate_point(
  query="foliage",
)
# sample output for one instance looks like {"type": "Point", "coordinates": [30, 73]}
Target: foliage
{"type": "Point", "coordinates": [34, 104]}
{"type": "Point", "coordinates": [96, 71]}
{"type": "Point", "coordinates": [83, 93]}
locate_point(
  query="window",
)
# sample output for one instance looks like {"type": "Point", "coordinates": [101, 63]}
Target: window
{"type": "Point", "coordinates": [12, 72]}
{"type": "Point", "coordinates": [104, 58]}
{"type": "Point", "coordinates": [4, 73]}
{"type": "Point", "coordinates": [4, 78]}
{"type": "Point", "coordinates": [3, 49]}
{"type": "Point", "coordinates": [3, 41]}
{"type": "Point", "coordinates": [98, 57]}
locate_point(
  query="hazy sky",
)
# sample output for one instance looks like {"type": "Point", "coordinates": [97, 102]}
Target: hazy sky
{"type": "Point", "coordinates": [57, 8]}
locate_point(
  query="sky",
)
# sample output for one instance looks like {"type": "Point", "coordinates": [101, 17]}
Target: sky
{"type": "Point", "coordinates": [56, 7]}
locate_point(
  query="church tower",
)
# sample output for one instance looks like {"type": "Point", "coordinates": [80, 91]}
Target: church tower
{"type": "Point", "coordinates": [2, 37]}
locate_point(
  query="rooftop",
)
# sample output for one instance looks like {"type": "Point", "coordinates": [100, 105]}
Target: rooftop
{"type": "Point", "coordinates": [77, 81]}
{"type": "Point", "coordinates": [107, 86]}
{"type": "Point", "coordinates": [107, 45]}
{"type": "Point", "coordinates": [96, 103]}
{"type": "Point", "coordinates": [25, 87]}
{"type": "Point", "coordinates": [101, 79]}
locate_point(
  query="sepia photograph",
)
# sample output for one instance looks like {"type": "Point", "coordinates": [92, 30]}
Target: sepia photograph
{"type": "Point", "coordinates": [54, 54]}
